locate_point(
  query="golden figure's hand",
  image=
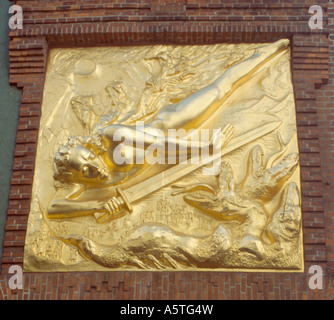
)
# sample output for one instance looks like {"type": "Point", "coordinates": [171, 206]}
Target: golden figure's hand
{"type": "Point", "coordinates": [220, 140]}
{"type": "Point", "coordinates": [112, 206]}
{"type": "Point", "coordinates": [227, 135]}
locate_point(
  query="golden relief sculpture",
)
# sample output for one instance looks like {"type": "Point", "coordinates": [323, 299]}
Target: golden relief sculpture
{"type": "Point", "coordinates": [167, 158]}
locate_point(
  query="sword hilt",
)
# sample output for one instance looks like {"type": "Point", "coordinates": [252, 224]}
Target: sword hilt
{"type": "Point", "coordinates": [119, 202]}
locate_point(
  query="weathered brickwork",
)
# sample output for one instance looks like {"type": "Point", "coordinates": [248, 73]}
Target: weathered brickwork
{"type": "Point", "coordinates": [126, 22]}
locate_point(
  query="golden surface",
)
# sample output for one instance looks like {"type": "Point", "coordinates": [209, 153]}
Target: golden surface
{"type": "Point", "coordinates": [235, 210]}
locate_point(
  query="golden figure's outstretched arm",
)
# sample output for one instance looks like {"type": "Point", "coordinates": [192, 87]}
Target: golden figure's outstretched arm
{"type": "Point", "coordinates": [65, 207]}
{"type": "Point", "coordinates": [140, 138]}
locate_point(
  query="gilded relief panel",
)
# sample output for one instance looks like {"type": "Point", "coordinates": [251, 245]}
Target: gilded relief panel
{"type": "Point", "coordinates": [167, 157]}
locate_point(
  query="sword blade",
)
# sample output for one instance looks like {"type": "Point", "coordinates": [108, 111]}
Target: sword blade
{"type": "Point", "coordinates": [168, 176]}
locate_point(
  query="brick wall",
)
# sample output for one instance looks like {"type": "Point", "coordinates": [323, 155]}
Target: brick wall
{"type": "Point", "coordinates": [87, 22]}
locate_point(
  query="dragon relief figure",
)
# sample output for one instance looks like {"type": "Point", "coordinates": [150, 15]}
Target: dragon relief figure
{"type": "Point", "coordinates": [246, 202]}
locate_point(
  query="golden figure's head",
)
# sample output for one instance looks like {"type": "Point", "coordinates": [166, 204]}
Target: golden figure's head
{"type": "Point", "coordinates": [78, 164]}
